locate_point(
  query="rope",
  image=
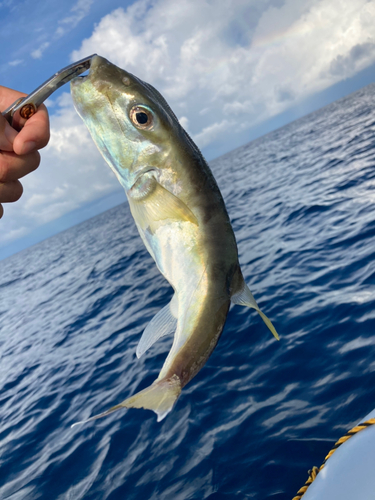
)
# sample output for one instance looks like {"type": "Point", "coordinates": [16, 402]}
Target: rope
{"type": "Point", "coordinates": [315, 470]}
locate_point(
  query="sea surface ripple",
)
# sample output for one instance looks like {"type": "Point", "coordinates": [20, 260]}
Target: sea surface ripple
{"type": "Point", "coordinates": [260, 413]}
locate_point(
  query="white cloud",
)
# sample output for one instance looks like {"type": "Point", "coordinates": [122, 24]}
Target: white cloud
{"type": "Point", "coordinates": [79, 11]}
{"type": "Point", "coordinates": [14, 234]}
{"type": "Point", "coordinates": [216, 61]}
{"type": "Point", "coordinates": [210, 133]}
{"type": "Point", "coordinates": [223, 65]}
{"type": "Point", "coordinates": [37, 54]}
{"type": "Point", "coordinates": [16, 62]}
{"type": "Point", "coordinates": [184, 122]}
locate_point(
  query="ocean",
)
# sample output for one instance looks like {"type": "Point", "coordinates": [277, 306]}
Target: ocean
{"type": "Point", "coordinates": [261, 412]}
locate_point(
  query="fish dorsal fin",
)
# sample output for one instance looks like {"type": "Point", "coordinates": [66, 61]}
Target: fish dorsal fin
{"type": "Point", "coordinates": [164, 323]}
{"type": "Point", "coordinates": [245, 298]}
{"type": "Point", "coordinates": [151, 204]}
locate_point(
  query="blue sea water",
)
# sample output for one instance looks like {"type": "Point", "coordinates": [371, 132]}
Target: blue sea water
{"type": "Point", "coordinates": [261, 412]}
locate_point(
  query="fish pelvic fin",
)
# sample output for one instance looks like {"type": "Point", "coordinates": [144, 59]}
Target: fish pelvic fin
{"type": "Point", "coordinates": [159, 397]}
{"type": "Point", "coordinates": [244, 297]}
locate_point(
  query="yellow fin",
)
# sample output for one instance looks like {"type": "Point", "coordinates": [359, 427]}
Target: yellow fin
{"type": "Point", "coordinates": [157, 205]}
{"type": "Point", "coordinates": [160, 397]}
{"type": "Point", "coordinates": [245, 298]}
{"type": "Point", "coordinates": [269, 324]}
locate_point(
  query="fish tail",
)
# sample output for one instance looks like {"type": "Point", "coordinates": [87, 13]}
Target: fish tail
{"type": "Point", "coordinates": [159, 397]}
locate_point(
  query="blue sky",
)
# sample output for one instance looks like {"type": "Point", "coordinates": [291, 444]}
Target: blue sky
{"type": "Point", "coordinates": [232, 70]}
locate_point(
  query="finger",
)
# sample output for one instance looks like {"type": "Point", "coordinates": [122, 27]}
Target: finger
{"type": "Point", "coordinates": [1, 211]}
{"type": "Point", "coordinates": [13, 167]}
{"type": "Point", "coordinates": [10, 191]}
{"type": "Point", "coordinates": [35, 133]}
{"type": "Point", "coordinates": [7, 135]}
{"type": "Point", "coordinates": [8, 97]}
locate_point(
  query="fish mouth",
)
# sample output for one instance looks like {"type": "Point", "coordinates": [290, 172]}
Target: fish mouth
{"type": "Point", "coordinates": [94, 63]}
{"type": "Point", "coordinates": [102, 73]}
{"type": "Point", "coordinates": [78, 80]}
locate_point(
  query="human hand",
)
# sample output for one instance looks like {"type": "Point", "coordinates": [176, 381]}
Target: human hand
{"type": "Point", "coordinates": [19, 146]}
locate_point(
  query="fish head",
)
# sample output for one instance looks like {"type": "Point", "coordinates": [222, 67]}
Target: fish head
{"type": "Point", "coordinates": [129, 120]}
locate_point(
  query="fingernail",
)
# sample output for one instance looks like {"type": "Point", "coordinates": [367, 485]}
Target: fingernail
{"type": "Point", "coordinates": [28, 147]}
{"type": "Point", "coordinates": [10, 133]}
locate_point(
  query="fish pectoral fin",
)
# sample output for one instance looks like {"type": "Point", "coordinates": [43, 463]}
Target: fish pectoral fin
{"type": "Point", "coordinates": [245, 298]}
{"type": "Point", "coordinates": [157, 205]}
{"type": "Point", "coordinates": [164, 323]}
{"type": "Point", "coordinates": [159, 397]}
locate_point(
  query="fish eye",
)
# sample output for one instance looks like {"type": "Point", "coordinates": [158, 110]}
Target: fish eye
{"type": "Point", "coordinates": [141, 117]}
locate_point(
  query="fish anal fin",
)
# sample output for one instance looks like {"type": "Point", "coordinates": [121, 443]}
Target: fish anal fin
{"type": "Point", "coordinates": [162, 324]}
{"type": "Point", "coordinates": [152, 204]}
{"type": "Point", "coordinates": [159, 397]}
{"type": "Point", "coordinates": [269, 324]}
{"type": "Point", "coordinates": [244, 297]}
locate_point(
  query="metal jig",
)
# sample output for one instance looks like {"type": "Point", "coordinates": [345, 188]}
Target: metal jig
{"type": "Point", "coordinates": [27, 106]}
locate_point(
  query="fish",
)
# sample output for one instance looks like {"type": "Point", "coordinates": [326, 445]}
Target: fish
{"type": "Point", "coordinates": [181, 218]}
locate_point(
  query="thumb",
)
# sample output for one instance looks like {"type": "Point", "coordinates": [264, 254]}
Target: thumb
{"type": "Point", "coordinates": [7, 135]}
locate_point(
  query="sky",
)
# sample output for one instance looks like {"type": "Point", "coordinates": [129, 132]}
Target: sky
{"type": "Point", "coordinates": [231, 70]}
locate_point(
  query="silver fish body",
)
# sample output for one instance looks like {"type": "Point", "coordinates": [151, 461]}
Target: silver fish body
{"type": "Point", "coordinates": [180, 215]}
